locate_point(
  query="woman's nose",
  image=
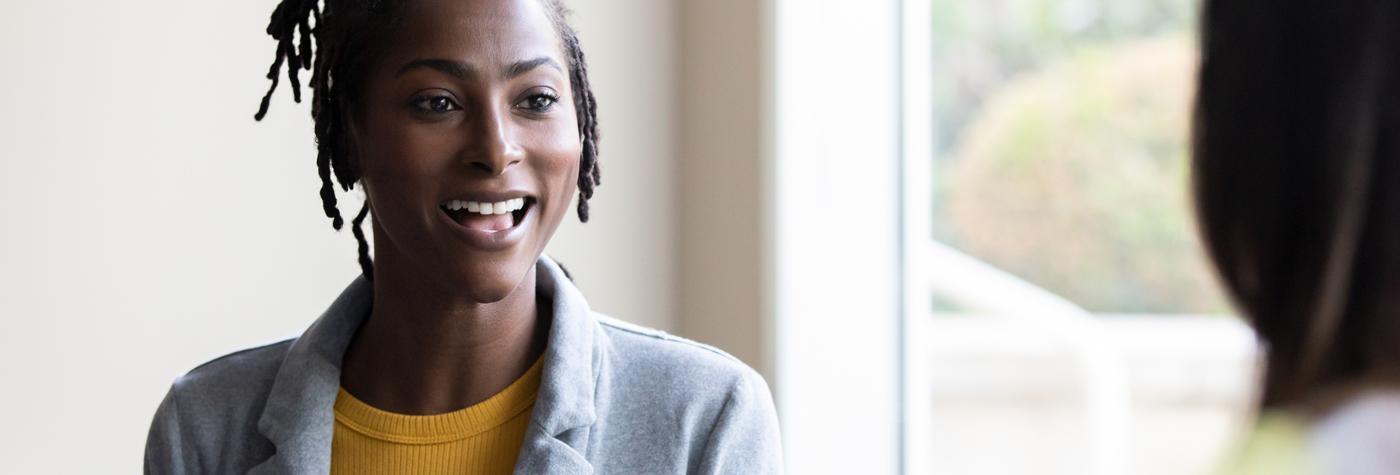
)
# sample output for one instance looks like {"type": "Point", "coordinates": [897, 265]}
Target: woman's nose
{"type": "Point", "coordinates": [493, 148]}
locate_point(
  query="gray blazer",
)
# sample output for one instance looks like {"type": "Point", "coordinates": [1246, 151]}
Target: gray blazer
{"type": "Point", "coordinates": [615, 398]}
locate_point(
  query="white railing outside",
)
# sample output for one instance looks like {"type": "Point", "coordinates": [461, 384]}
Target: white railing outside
{"type": "Point", "coordinates": [1180, 384]}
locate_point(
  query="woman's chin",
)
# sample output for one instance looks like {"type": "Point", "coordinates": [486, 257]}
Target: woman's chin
{"type": "Point", "coordinates": [489, 285]}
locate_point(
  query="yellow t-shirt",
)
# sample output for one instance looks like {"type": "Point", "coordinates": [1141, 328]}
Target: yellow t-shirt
{"type": "Point", "coordinates": [482, 439]}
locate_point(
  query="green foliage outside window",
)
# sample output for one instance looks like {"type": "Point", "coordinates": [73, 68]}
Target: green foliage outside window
{"type": "Point", "coordinates": [1063, 145]}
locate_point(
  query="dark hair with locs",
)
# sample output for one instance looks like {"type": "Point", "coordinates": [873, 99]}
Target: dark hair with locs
{"type": "Point", "coordinates": [344, 34]}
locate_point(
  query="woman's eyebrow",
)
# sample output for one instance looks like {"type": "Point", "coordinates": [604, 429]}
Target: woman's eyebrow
{"type": "Point", "coordinates": [521, 67]}
{"type": "Point", "coordinates": [457, 69]}
{"type": "Point", "coordinates": [462, 70]}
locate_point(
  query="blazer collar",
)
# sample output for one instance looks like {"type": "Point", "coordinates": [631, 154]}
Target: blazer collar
{"type": "Point", "coordinates": [299, 415]}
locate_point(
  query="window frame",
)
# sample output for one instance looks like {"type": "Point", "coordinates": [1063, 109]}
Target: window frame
{"type": "Point", "coordinates": [837, 286]}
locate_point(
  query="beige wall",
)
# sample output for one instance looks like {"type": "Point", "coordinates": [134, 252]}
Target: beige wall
{"type": "Point", "coordinates": [683, 89]}
{"type": "Point", "coordinates": [624, 258]}
{"type": "Point", "coordinates": [725, 187]}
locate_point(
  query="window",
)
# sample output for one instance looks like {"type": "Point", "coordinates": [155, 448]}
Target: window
{"type": "Point", "coordinates": [1071, 323]}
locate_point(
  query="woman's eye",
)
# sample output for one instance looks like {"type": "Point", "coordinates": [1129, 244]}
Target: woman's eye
{"type": "Point", "coordinates": [539, 102]}
{"type": "Point", "coordinates": [436, 104]}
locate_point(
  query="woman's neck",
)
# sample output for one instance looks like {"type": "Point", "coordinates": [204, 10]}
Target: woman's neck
{"type": "Point", "coordinates": [427, 352]}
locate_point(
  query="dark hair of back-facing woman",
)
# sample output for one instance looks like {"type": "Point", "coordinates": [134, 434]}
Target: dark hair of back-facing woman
{"type": "Point", "coordinates": [1297, 186]}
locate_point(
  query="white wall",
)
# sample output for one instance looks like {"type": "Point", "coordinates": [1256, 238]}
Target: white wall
{"type": "Point", "coordinates": [149, 224]}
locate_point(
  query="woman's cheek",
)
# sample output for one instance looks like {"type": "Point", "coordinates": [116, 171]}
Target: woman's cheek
{"type": "Point", "coordinates": [562, 171]}
{"type": "Point", "coordinates": [406, 147]}
{"type": "Point", "coordinates": [556, 150]}
{"type": "Point", "coordinates": [418, 151]}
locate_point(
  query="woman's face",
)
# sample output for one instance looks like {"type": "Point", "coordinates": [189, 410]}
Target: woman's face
{"type": "Point", "coordinates": [468, 110]}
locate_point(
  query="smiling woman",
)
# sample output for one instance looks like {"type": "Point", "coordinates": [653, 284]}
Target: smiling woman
{"type": "Point", "coordinates": [462, 348]}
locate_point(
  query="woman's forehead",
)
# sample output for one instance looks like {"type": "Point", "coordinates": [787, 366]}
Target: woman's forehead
{"type": "Point", "coordinates": [481, 32]}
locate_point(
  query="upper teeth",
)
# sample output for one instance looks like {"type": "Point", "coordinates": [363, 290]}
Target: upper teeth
{"type": "Point", "coordinates": [499, 207]}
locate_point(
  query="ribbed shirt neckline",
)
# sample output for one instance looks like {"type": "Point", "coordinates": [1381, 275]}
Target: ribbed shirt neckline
{"type": "Point", "coordinates": [498, 409]}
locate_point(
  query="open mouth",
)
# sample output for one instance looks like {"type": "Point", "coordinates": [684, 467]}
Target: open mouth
{"type": "Point", "coordinates": [488, 216]}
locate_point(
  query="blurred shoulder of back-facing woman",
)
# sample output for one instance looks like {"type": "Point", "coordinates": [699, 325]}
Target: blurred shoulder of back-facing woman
{"type": "Point", "coordinates": [1297, 184]}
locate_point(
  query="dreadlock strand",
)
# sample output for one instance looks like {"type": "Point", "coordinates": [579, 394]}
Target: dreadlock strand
{"type": "Point", "coordinates": [589, 174]}
{"type": "Point", "coordinates": [304, 26]}
{"type": "Point", "coordinates": [366, 264]}
{"type": "Point", "coordinates": [583, 209]}
{"type": "Point", "coordinates": [328, 200]}
{"type": "Point", "coordinates": [338, 161]}
{"type": "Point", "coordinates": [595, 170]}
{"type": "Point", "coordinates": [293, 67]}
{"type": "Point", "coordinates": [267, 98]}
{"type": "Point", "coordinates": [318, 79]}
{"type": "Point", "coordinates": [588, 171]}
{"type": "Point", "coordinates": [325, 158]}
{"type": "Point", "coordinates": [282, 27]}
{"type": "Point", "coordinates": [326, 110]}
{"type": "Point", "coordinates": [275, 24]}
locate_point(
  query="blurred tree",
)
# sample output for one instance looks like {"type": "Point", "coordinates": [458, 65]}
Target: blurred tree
{"type": "Point", "coordinates": [1074, 178]}
{"type": "Point", "coordinates": [979, 45]}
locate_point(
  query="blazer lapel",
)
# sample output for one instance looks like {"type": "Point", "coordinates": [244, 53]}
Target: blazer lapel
{"type": "Point", "coordinates": [557, 440]}
{"type": "Point", "coordinates": [299, 418]}
{"type": "Point", "coordinates": [543, 453]}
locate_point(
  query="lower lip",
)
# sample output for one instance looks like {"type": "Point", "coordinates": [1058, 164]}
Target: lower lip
{"type": "Point", "coordinates": [491, 240]}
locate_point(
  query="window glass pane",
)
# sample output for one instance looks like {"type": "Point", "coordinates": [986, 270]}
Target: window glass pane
{"type": "Point", "coordinates": [1062, 225]}
{"type": "Point", "coordinates": [1061, 148]}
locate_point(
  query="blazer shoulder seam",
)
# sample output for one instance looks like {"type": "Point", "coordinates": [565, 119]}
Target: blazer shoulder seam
{"type": "Point", "coordinates": [659, 335]}
{"type": "Point", "coordinates": [240, 352]}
